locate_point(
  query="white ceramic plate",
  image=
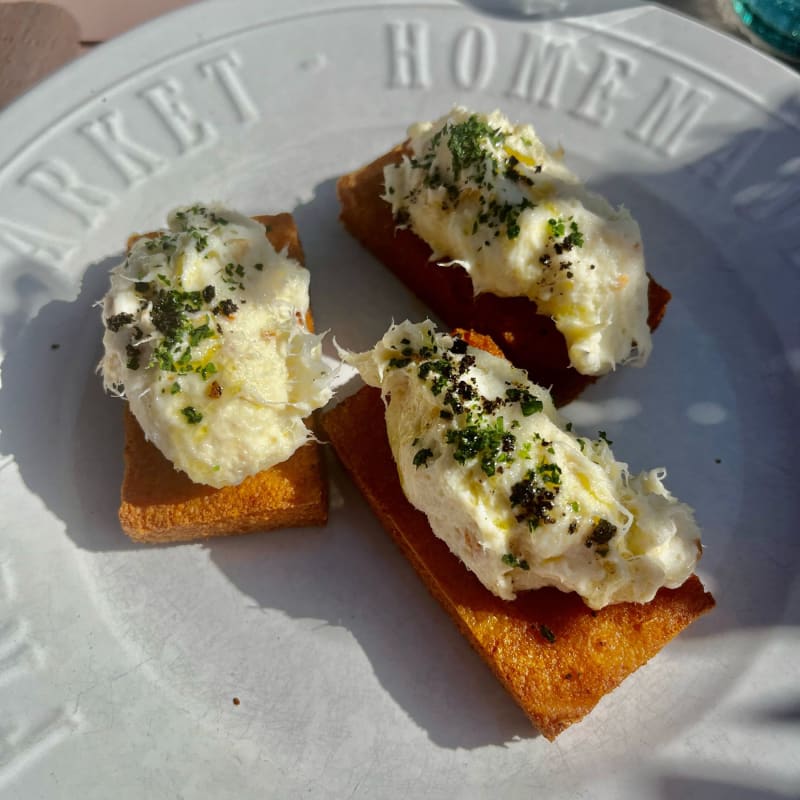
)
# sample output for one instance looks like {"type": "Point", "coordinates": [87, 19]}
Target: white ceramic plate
{"type": "Point", "coordinates": [119, 663]}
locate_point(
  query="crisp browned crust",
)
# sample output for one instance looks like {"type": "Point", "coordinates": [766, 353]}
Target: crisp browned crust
{"type": "Point", "coordinates": [556, 683]}
{"type": "Point", "coordinates": [529, 340]}
{"type": "Point", "coordinates": [160, 504]}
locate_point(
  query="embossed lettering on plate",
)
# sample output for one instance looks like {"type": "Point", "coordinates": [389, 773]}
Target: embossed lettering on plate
{"type": "Point", "coordinates": [225, 71]}
{"type": "Point", "coordinates": [24, 740]}
{"type": "Point", "coordinates": [32, 243]}
{"type": "Point", "coordinates": [409, 63]}
{"type": "Point", "coordinates": [61, 184]}
{"type": "Point", "coordinates": [473, 57]}
{"type": "Point", "coordinates": [134, 162]}
{"type": "Point", "coordinates": [608, 79]}
{"type": "Point", "coordinates": [540, 70]}
{"type": "Point", "coordinates": [8, 587]}
{"type": "Point", "coordinates": [166, 99]}
{"type": "Point", "coordinates": [675, 108]}
{"type": "Point", "coordinates": [18, 655]}
{"type": "Point", "coordinates": [22, 743]}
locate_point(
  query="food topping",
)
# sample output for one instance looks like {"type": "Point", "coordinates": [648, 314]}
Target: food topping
{"type": "Point", "coordinates": [521, 499]}
{"type": "Point", "coordinates": [487, 195]}
{"type": "Point", "coordinates": [206, 338]}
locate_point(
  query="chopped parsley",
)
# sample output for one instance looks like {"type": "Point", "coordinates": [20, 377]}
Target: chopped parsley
{"type": "Point", "coordinates": [201, 239]}
{"type": "Point", "coordinates": [134, 357]}
{"type": "Point", "coordinates": [196, 335]}
{"type": "Point", "coordinates": [529, 403]}
{"type": "Point", "coordinates": [465, 143]}
{"type": "Point", "coordinates": [602, 435]}
{"type": "Point", "coordinates": [556, 227]}
{"type": "Point", "coordinates": [192, 415]}
{"type": "Point", "coordinates": [206, 370]}
{"type": "Point", "coordinates": [574, 238]}
{"type": "Point", "coordinates": [513, 561]}
{"type": "Point", "coordinates": [489, 443]}
{"type": "Point", "coordinates": [549, 473]}
{"type": "Point", "coordinates": [472, 145]}
{"type": "Point", "coordinates": [421, 457]}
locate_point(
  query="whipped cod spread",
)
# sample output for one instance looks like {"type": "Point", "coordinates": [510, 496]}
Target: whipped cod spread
{"type": "Point", "coordinates": [522, 500]}
{"type": "Point", "coordinates": [487, 195]}
{"type": "Point", "coordinates": [206, 337]}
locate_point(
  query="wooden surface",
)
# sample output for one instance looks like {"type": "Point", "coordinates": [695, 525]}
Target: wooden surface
{"type": "Point", "coordinates": [38, 38]}
{"type": "Point", "coordinates": [35, 39]}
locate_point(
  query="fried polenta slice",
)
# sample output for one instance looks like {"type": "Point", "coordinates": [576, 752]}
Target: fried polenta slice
{"type": "Point", "coordinates": [555, 655]}
{"type": "Point", "coordinates": [161, 504]}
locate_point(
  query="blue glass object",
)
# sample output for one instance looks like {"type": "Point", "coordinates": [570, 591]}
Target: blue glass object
{"type": "Point", "coordinates": [775, 22]}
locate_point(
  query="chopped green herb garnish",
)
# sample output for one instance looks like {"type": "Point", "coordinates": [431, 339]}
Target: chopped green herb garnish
{"type": "Point", "coordinates": [206, 370]}
{"type": "Point", "coordinates": [196, 335]}
{"type": "Point", "coordinates": [465, 142]}
{"type": "Point", "coordinates": [192, 415]}
{"type": "Point", "coordinates": [513, 561]}
{"type": "Point", "coordinates": [529, 403]}
{"type": "Point", "coordinates": [134, 356]}
{"type": "Point", "coordinates": [549, 473]}
{"type": "Point", "coordinates": [556, 228]}
{"type": "Point", "coordinates": [200, 239]}
{"type": "Point", "coordinates": [574, 238]}
{"type": "Point", "coordinates": [490, 444]}
{"type": "Point", "coordinates": [421, 457]}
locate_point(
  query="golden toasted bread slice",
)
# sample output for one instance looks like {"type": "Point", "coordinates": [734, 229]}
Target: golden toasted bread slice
{"type": "Point", "coordinates": [529, 340]}
{"type": "Point", "coordinates": [160, 504]}
{"type": "Point", "coordinates": [554, 655]}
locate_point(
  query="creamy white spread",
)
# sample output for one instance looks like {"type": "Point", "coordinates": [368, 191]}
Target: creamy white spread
{"type": "Point", "coordinates": [488, 195]}
{"type": "Point", "coordinates": [522, 500]}
{"type": "Point", "coordinates": [205, 334]}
